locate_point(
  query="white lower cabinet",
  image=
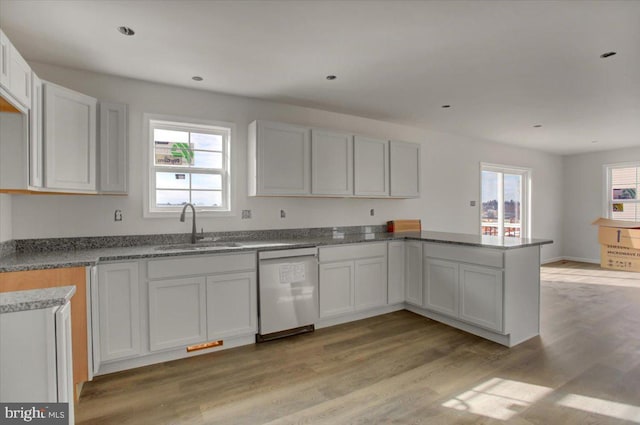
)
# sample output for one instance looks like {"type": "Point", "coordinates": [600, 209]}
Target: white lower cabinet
{"type": "Point", "coordinates": [370, 283]}
{"type": "Point", "coordinates": [352, 278]}
{"type": "Point", "coordinates": [441, 289]}
{"type": "Point", "coordinates": [35, 356]}
{"type": "Point", "coordinates": [413, 272]}
{"type": "Point", "coordinates": [160, 309]}
{"type": "Point", "coordinates": [231, 305]}
{"type": "Point", "coordinates": [116, 312]}
{"type": "Point", "coordinates": [337, 283]}
{"type": "Point", "coordinates": [395, 272]}
{"type": "Point", "coordinates": [177, 313]}
{"type": "Point", "coordinates": [481, 296]}
{"type": "Point", "coordinates": [468, 292]}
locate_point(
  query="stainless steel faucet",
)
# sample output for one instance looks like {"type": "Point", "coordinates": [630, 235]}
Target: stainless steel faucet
{"type": "Point", "coordinates": [194, 238]}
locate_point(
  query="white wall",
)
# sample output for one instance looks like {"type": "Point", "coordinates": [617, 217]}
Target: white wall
{"type": "Point", "coordinates": [6, 232]}
{"type": "Point", "coordinates": [450, 176]}
{"type": "Point", "coordinates": [584, 197]}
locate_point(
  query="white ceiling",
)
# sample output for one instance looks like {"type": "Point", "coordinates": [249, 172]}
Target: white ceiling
{"type": "Point", "coordinates": [502, 65]}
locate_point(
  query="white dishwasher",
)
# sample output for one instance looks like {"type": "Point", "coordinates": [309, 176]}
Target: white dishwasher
{"type": "Point", "coordinates": [287, 292]}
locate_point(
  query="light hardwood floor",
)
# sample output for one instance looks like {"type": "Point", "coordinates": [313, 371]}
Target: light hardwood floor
{"type": "Point", "coordinates": [401, 368]}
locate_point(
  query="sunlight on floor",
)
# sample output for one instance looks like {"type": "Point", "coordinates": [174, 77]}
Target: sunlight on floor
{"type": "Point", "coordinates": [613, 409]}
{"type": "Point", "coordinates": [590, 276]}
{"type": "Point", "coordinates": [502, 399]}
{"type": "Point", "coordinates": [498, 398]}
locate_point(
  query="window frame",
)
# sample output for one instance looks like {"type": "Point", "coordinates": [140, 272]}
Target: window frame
{"type": "Point", "coordinates": [607, 189]}
{"type": "Point", "coordinates": [169, 122]}
{"type": "Point", "coordinates": [525, 209]}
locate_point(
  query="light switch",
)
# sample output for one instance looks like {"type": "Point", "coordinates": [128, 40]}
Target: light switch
{"type": "Point", "coordinates": [472, 203]}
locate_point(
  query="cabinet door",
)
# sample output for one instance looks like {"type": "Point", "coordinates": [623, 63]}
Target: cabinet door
{"type": "Point", "coordinates": [113, 147]}
{"type": "Point", "coordinates": [63, 357]}
{"type": "Point", "coordinates": [283, 159]}
{"type": "Point", "coordinates": [404, 169]}
{"type": "Point", "coordinates": [371, 166]}
{"type": "Point", "coordinates": [336, 288]}
{"type": "Point", "coordinates": [118, 311]}
{"type": "Point", "coordinates": [28, 356]}
{"type": "Point", "coordinates": [481, 295]}
{"type": "Point", "coordinates": [395, 272]}
{"type": "Point", "coordinates": [231, 305]}
{"type": "Point", "coordinates": [70, 139]}
{"type": "Point", "coordinates": [370, 283]}
{"type": "Point", "coordinates": [331, 163]}
{"type": "Point", "coordinates": [5, 69]}
{"type": "Point", "coordinates": [177, 313]}
{"type": "Point", "coordinates": [441, 286]}
{"type": "Point", "coordinates": [36, 139]}
{"type": "Point", "coordinates": [19, 77]}
{"type": "Point", "coordinates": [413, 272]}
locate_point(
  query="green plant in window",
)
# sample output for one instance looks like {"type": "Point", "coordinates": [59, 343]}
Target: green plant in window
{"type": "Point", "coordinates": [182, 150]}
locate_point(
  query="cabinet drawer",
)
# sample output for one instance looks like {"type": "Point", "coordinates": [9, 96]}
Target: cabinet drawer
{"type": "Point", "coordinates": [201, 265]}
{"type": "Point", "coordinates": [355, 251]}
{"type": "Point", "coordinates": [464, 254]}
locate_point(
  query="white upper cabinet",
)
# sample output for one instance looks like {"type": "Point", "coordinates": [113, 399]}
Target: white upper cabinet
{"type": "Point", "coordinates": [404, 164]}
{"type": "Point", "coordinates": [36, 138]}
{"type": "Point", "coordinates": [70, 139]}
{"type": "Point", "coordinates": [371, 166]}
{"type": "Point", "coordinates": [15, 72]}
{"type": "Point", "coordinates": [331, 163]}
{"type": "Point", "coordinates": [112, 148]}
{"type": "Point", "coordinates": [279, 159]}
{"type": "Point", "coordinates": [4, 60]}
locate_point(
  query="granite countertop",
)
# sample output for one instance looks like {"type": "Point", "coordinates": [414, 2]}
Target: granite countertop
{"type": "Point", "coordinates": [35, 299]}
{"type": "Point", "coordinates": [88, 257]}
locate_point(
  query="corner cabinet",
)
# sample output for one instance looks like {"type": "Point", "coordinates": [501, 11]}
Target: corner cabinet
{"type": "Point", "coordinates": [70, 139]}
{"type": "Point", "coordinates": [279, 159]}
{"type": "Point", "coordinates": [371, 166]}
{"type": "Point", "coordinates": [112, 148]}
{"type": "Point", "coordinates": [396, 272]}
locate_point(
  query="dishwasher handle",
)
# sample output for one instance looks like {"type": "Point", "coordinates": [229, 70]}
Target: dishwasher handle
{"type": "Point", "coordinates": [288, 253]}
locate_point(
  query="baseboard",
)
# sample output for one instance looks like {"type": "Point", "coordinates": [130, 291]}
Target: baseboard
{"type": "Point", "coordinates": [551, 260]}
{"type": "Point", "coordinates": [582, 260]}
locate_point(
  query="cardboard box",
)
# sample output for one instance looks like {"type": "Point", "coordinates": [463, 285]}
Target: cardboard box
{"type": "Point", "coordinates": [619, 244]}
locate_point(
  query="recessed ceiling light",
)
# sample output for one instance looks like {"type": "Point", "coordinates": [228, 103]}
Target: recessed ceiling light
{"type": "Point", "coordinates": [331, 77]}
{"type": "Point", "coordinates": [607, 54]}
{"type": "Point", "coordinates": [446, 106]}
{"type": "Point", "coordinates": [126, 30]}
{"type": "Point", "coordinates": [537, 126]}
{"type": "Point", "coordinates": [197, 78]}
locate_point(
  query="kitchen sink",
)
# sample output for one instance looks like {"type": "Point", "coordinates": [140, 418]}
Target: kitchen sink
{"type": "Point", "coordinates": [202, 246]}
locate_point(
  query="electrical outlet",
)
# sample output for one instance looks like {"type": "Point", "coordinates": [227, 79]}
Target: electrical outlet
{"type": "Point", "coordinates": [283, 214]}
{"type": "Point", "coordinates": [117, 215]}
{"type": "Point", "coordinates": [472, 203]}
{"type": "Point", "coordinates": [246, 213]}
{"type": "Point", "coordinates": [372, 212]}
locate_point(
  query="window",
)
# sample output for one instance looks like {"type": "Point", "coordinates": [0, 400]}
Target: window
{"type": "Point", "coordinates": [188, 163]}
{"type": "Point", "coordinates": [505, 201]}
{"type": "Point", "coordinates": [622, 201]}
